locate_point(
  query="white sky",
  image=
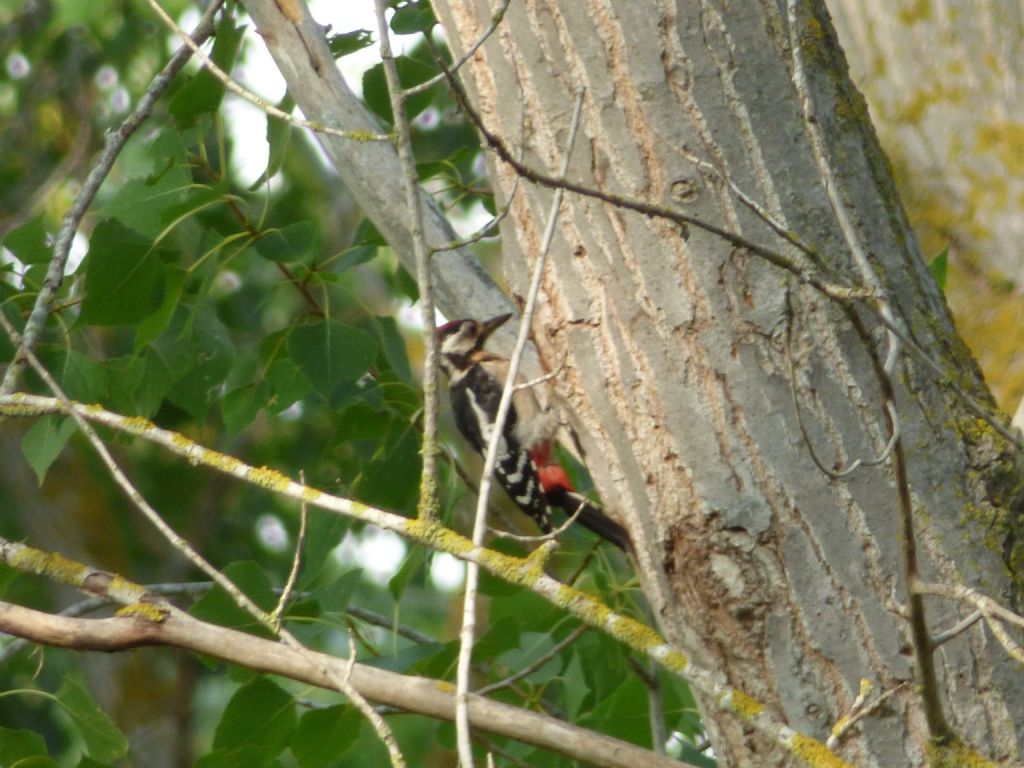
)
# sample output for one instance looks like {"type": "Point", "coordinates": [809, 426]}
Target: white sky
{"type": "Point", "coordinates": [258, 72]}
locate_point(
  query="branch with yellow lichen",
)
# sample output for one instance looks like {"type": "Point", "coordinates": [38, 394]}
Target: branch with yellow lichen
{"type": "Point", "coordinates": [149, 619]}
{"type": "Point", "coordinates": [526, 572]}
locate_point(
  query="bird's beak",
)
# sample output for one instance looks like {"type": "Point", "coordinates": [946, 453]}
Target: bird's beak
{"type": "Point", "coordinates": [490, 326]}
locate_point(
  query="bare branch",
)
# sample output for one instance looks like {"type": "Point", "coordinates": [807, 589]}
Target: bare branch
{"type": "Point", "coordinates": [428, 504]}
{"type": "Point", "coordinates": [957, 629]}
{"type": "Point", "coordinates": [232, 85]}
{"type": "Point", "coordinates": [496, 19]}
{"type": "Point", "coordinates": [411, 694]}
{"type": "Point", "coordinates": [466, 637]}
{"type": "Point", "coordinates": [481, 233]}
{"type": "Point", "coordinates": [293, 575]}
{"type": "Point", "coordinates": [382, 729]}
{"type": "Point", "coordinates": [993, 613]}
{"type": "Point", "coordinates": [553, 536]}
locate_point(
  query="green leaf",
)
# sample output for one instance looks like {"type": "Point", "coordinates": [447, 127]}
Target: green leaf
{"type": "Point", "coordinates": [123, 376]}
{"type": "Point", "coordinates": [260, 714]}
{"type": "Point", "coordinates": [410, 72]}
{"type": "Point", "coordinates": [391, 480]}
{"type": "Point", "coordinates": [18, 748]}
{"type": "Point", "coordinates": [203, 92]}
{"type": "Point", "coordinates": [156, 381]}
{"type": "Point", "coordinates": [576, 687]}
{"type": "Point", "coordinates": [81, 377]}
{"type": "Point", "coordinates": [365, 245]}
{"type": "Point", "coordinates": [7, 577]}
{"type": "Point", "coordinates": [330, 353]}
{"type": "Point", "coordinates": [361, 421]}
{"type": "Point", "coordinates": [210, 353]}
{"type": "Point", "coordinates": [124, 277]}
{"type": "Point", "coordinates": [405, 283]}
{"type": "Point", "coordinates": [325, 532]}
{"type": "Point", "coordinates": [622, 714]}
{"type": "Point", "coordinates": [140, 203]}
{"type": "Point", "coordinates": [349, 42]}
{"type": "Point", "coordinates": [502, 636]}
{"type": "Point", "coordinates": [335, 597]}
{"type": "Point", "coordinates": [392, 344]}
{"type": "Point", "coordinates": [288, 382]}
{"type": "Point", "coordinates": [412, 564]}
{"type": "Point", "coordinates": [28, 242]}
{"type": "Point", "coordinates": [938, 267]}
{"type": "Point", "coordinates": [414, 658]}
{"type": "Point", "coordinates": [149, 329]}
{"type": "Point", "coordinates": [43, 443]}
{"type": "Point", "coordinates": [279, 134]}
{"type": "Point", "coordinates": [103, 741]}
{"type": "Point", "coordinates": [354, 256]}
{"type": "Point", "coordinates": [293, 242]}
{"type": "Point", "coordinates": [413, 17]}
{"type": "Point", "coordinates": [240, 406]}
{"type": "Point", "coordinates": [324, 734]}
{"type": "Point", "coordinates": [249, 755]}
{"type": "Point", "coordinates": [218, 607]}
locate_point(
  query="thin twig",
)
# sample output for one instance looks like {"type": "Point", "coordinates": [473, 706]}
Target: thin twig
{"type": "Point", "coordinates": [835, 474]}
{"type": "Point", "coordinates": [859, 711]}
{"type": "Point", "coordinates": [481, 233]}
{"type": "Point", "coordinates": [428, 503]}
{"type": "Point", "coordinates": [938, 726]}
{"type": "Point", "coordinates": [545, 377]}
{"type": "Point", "coordinates": [553, 535]}
{"type": "Point", "coordinates": [232, 85]}
{"type": "Point", "coordinates": [993, 613]}
{"type": "Point", "coordinates": [536, 664]}
{"type": "Point", "coordinates": [840, 292]}
{"type": "Point", "coordinates": [467, 635]}
{"type": "Point", "coordinates": [655, 704]}
{"type": "Point", "coordinates": [384, 732]}
{"type": "Point", "coordinates": [957, 629]}
{"type": "Point", "coordinates": [293, 575]}
{"type": "Point", "coordinates": [113, 144]}
{"type": "Point", "coordinates": [496, 19]}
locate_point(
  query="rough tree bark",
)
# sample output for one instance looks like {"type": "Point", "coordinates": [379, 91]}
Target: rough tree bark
{"type": "Point", "coordinates": [676, 375]}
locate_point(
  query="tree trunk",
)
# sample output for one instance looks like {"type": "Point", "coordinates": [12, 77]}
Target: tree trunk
{"type": "Point", "coordinates": [677, 348]}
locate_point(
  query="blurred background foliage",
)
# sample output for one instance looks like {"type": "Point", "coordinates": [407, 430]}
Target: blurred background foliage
{"type": "Point", "coordinates": [946, 92]}
{"type": "Point", "coordinates": [267, 319]}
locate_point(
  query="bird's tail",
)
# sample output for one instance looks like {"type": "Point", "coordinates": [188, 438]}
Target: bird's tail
{"type": "Point", "coordinates": [591, 516]}
{"type": "Point", "coordinates": [559, 490]}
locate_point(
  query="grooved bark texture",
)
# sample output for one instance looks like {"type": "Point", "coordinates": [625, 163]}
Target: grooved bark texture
{"type": "Point", "coordinates": [676, 375]}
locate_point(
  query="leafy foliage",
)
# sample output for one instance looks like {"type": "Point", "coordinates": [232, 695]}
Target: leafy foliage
{"type": "Point", "coordinates": [261, 320]}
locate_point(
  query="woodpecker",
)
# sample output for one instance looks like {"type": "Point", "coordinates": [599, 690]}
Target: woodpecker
{"type": "Point", "coordinates": [525, 467]}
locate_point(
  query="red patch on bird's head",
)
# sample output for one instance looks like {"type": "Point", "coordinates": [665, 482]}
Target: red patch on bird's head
{"type": "Point", "coordinates": [448, 328]}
